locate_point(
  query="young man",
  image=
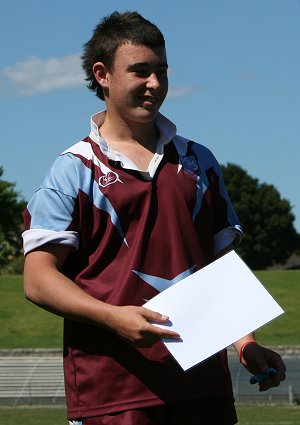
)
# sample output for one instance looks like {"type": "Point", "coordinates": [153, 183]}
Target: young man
{"type": "Point", "coordinates": [122, 215]}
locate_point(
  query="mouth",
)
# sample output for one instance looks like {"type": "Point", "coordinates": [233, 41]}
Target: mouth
{"type": "Point", "coordinates": [150, 100]}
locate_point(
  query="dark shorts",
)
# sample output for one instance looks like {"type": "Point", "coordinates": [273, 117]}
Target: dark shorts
{"type": "Point", "coordinates": [196, 412]}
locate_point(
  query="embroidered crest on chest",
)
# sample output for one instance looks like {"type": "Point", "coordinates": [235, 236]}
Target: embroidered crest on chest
{"type": "Point", "coordinates": [190, 165]}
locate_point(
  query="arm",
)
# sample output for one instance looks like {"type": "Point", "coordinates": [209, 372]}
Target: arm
{"type": "Point", "coordinates": [257, 359]}
{"type": "Point", "coordinates": [46, 286]}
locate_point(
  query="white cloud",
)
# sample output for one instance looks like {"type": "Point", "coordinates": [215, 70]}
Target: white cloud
{"type": "Point", "coordinates": [179, 91]}
{"type": "Point", "coordinates": [34, 76]}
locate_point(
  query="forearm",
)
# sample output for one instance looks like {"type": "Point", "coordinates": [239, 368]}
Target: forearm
{"type": "Point", "coordinates": [47, 287]}
{"type": "Point", "coordinates": [241, 344]}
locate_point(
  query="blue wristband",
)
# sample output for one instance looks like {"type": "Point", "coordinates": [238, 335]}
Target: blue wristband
{"type": "Point", "coordinates": [259, 377]}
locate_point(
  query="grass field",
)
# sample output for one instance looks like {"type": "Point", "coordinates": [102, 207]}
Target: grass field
{"type": "Point", "coordinates": [23, 325]}
{"type": "Point", "coordinates": [284, 286]}
{"type": "Point", "coordinates": [268, 415]}
{"type": "Point", "coordinates": [247, 415]}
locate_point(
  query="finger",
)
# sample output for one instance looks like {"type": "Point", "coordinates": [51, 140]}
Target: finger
{"type": "Point", "coordinates": [266, 385]}
{"type": "Point", "coordinates": [279, 377]}
{"type": "Point", "coordinates": [281, 369]}
{"type": "Point", "coordinates": [153, 316]}
{"type": "Point", "coordinates": [275, 361]}
{"type": "Point", "coordinates": [272, 381]}
{"type": "Point", "coordinates": [163, 333]}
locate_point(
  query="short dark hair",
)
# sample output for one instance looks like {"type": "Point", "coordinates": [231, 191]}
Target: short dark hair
{"type": "Point", "coordinates": [113, 31]}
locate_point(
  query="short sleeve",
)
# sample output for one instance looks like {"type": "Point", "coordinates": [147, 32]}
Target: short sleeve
{"type": "Point", "coordinates": [49, 214]}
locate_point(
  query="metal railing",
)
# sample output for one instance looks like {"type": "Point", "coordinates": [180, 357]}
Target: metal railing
{"type": "Point", "coordinates": [36, 377]}
{"type": "Point", "coordinates": [32, 379]}
{"type": "Point", "coordinates": [287, 392]}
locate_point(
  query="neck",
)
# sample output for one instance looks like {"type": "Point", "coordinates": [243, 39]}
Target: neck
{"type": "Point", "coordinates": [117, 132]}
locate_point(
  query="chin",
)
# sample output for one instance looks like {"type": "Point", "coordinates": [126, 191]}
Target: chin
{"type": "Point", "coordinates": [147, 115]}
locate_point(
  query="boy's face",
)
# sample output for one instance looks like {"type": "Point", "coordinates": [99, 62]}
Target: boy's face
{"type": "Point", "coordinates": [138, 83]}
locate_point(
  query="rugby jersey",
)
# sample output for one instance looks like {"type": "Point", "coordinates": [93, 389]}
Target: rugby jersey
{"type": "Point", "coordinates": [134, 234]}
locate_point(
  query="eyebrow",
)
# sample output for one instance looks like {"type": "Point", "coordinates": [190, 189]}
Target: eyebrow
{"type": "Point", "coordinates": [145, 64]}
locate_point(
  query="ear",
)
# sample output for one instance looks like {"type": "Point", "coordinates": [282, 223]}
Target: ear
{"type": "Point", "coordinates": [101, 73]}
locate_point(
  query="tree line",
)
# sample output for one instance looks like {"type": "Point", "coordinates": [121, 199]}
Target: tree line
{"type": "Point", "coordinates": [267, 220]}
{"type": "Point", "coordinates": [11, 207]}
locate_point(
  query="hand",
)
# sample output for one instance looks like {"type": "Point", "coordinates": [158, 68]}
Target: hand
{"type": "Point", "coordinates": [258, 359]}
{"type": "Point", "coordinates": [133, 324]}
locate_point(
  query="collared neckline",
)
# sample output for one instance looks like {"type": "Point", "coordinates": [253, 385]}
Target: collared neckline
{"type": "Point", "coordinates": [167, 130]}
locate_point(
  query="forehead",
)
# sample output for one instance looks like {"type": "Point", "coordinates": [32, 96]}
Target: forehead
{"type": "Point", "coordinates": [129, 54]}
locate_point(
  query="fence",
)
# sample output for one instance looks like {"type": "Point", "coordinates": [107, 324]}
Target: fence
{"type": "Point", "coordinates": [287, 392]}
{"type": "Point", "coordinates": [36, 377]}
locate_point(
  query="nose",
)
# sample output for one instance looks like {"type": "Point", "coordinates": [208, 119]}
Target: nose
{"type": "Point", "coordinates": [153, 82]}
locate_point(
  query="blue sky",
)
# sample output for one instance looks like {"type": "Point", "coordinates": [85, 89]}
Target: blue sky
{"type": "Point", "coordinates": [234, 82]}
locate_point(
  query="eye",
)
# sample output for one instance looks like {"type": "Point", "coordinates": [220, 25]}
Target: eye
{"type": "Point", "coordinates": [142, 73]}
{"type": "Point", "coordinates": [162, 72]}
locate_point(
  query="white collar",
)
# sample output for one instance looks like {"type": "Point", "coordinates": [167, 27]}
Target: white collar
{"type": "Point", "coordinates": [167, 130]}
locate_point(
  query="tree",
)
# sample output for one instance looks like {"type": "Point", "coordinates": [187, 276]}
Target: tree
{"type": "Point", "coordinates": [10, 221]}
{"type": "Point", "coordinates": [266, 218]}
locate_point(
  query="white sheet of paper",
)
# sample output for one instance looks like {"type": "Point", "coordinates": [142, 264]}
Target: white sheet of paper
{"type": "Point", "coordinates": [213, 308]}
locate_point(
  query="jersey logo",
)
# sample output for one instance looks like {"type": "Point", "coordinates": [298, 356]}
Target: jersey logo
{"type": "Point", "coordinates": [110, 177]}
{"type": "Point", "coordinates": [190, 166]}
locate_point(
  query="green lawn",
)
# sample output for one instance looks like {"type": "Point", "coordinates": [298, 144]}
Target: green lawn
{"type": "Point", "coordinates": [284, 286]}
{"type": "Point", "coordinates": [247, 415]}
{"type": "Point", "coordinates": [268, 414]}
{"type": "Point", "coordinates": [33, 416]}
{"type": "Point", "coordinates": [23, 325]}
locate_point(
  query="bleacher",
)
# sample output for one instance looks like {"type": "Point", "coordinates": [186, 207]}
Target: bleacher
{"type": "Point", "coordinates": [32, 377]}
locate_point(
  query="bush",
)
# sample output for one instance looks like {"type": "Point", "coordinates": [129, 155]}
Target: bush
{"type": "Point", "coordinates": [14, 267]}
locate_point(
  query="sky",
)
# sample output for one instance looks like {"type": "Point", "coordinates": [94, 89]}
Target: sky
{"type": "Point", "coordinates": [234, 82]}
